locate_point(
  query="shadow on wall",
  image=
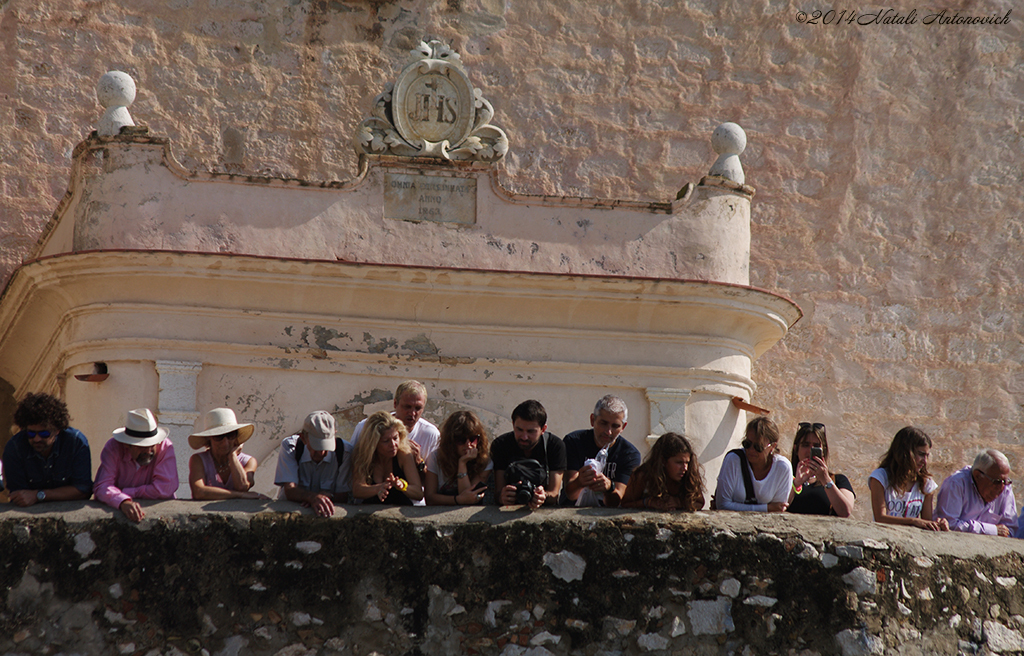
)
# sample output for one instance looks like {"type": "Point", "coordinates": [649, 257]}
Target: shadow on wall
{"type": "Point", "coordinates": [7, 407]}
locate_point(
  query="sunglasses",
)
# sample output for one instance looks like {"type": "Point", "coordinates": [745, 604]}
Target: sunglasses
{"type": "Point", "coordinates": [814, 426]}
{"type": "Point", "coordinates": [747, 444]}
{"type": "Point", "coordinates": [464, 439]}
{"type": "Point", "coordinates": [225, 436]}
{"type": "Point", "coordinates": [996, 481]}
{"type": "Point", "coordinates": [43, 434]}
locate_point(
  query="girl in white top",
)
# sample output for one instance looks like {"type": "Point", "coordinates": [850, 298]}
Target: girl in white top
{"type": "Point", "coordinates": [772, 475]}
{"type": "Point", "coordinates": [902, 490]}
{"type": "Point", "coordinates": [458, 469]}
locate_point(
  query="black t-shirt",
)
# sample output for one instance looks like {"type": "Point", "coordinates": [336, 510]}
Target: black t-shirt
{"type": "Point", "coordinates": [623, 457]}
{"type": "Point", "coordinates": [813, 499]}
{"type": "Point", "coordinates": [505, 450]}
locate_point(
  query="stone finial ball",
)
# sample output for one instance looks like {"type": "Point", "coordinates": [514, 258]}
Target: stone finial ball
{"type": "Point", "coordinates": [116, 89]}
{"type": "Point", "coordinates": [728, 139]}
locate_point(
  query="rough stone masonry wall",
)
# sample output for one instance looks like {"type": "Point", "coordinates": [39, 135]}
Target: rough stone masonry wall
{"type": "Point", "coordinates": [252, 579]}
{"type": "Point", "coordinates": [887, 158]}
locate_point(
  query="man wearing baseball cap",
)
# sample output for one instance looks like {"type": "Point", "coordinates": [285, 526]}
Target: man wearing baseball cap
{"type": "Point", "coordinates": [314, 468]}
{"type": "Point", "coordinates": [136, 463]}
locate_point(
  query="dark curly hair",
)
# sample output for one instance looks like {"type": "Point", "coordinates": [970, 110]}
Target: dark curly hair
{"type": "Point", "coordinates": [42, 409]}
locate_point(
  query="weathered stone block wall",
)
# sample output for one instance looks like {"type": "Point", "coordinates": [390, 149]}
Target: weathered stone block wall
{"type": "Point", "coordinates": [257, 579]}
{"type": "Point", "coordinates": [887, 157]}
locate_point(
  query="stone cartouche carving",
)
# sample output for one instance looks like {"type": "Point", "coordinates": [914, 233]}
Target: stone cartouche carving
{"type": "Point", "coordinates": [432, 110]}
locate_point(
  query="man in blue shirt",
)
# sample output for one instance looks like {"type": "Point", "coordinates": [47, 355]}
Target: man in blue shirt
{"type": "Point", "coordinates": [606, 426]}
{"type": "Point", "coordinates": [46, 460]}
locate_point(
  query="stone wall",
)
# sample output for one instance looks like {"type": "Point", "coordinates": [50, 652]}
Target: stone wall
{"type": "Point", "coordinates": [247, 577]}
{"type": "Point", "coordinates": [886, 157]}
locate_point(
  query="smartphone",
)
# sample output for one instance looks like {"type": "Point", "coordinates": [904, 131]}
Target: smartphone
{"type": "Point", "coordinates": [480, 486]}
{"type": "Point", "coordinates": [816, 452]}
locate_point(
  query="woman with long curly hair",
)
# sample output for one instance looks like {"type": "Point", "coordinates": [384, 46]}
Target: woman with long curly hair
{"type": "Point", "coordinates": [458, 469]}
{"type": "Point", "coordinates": [669, 479]}
{"type": "Point", "coordinates": [902, 490]}
{"type": "Point", "coordinates": [383, 466]}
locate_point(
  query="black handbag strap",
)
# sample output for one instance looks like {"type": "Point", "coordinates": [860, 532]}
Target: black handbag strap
{"type": "Point", "coordinates": [748, 479]}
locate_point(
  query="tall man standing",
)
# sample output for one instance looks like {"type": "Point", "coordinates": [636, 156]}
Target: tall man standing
{"type": "Point", "coordinates": [529, 440]}
{"type": "Point", "coordinates": [606, 425]}
{"type": "Point", "coordinates": [47, 460]}
{"type": "Point", "coordinates": [136, 463]}
{"type": "Point", "coordinates": [410, 400]}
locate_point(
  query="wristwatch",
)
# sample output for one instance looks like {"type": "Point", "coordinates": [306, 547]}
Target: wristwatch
{"type": "Point", "coordinates": [829, 485]}
{"type": "Point", "coordinates": [41, 495]}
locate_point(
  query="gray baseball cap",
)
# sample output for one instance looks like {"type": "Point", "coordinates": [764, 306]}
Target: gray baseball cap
{"type": "Point", "coordinates": [319, 428]}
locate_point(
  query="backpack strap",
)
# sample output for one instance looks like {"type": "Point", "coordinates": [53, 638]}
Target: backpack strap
{"type": "Point", "coordinates": [748, 479]}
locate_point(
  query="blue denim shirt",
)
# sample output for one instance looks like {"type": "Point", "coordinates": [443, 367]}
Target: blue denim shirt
{"type": "Point", "coordinates": [70, 463]}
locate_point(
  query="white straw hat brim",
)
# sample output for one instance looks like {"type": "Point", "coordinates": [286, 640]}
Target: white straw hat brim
{"type": "Point", "coordinates": [131, 440]}
{"type": "Point", "coordinates": [199, 440]}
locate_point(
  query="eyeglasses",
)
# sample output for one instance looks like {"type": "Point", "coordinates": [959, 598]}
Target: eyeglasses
{"type": "Point", "coordinates": [43, 434]}
{"type": "Point", "coordinates": [464, 439]}
{"type": "Point", "coordinates": [747, 444]}
{"type": "Point", "coordinates": [1005, 482]}
{"type": "Point", "coordinates": [814, 426]}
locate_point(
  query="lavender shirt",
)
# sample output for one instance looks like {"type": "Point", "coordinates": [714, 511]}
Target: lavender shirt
{"type": "Point", "coordinates": [961, 505]}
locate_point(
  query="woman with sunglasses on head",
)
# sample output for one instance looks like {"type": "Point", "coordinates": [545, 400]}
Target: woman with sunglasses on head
{"type": "Point", "coordinates": [902, 490]}
{"type": "Point", "coordinates": [458, 469]}
{"type": "Point", "coordinates": [755, 478]}
{"type": "Point", "coordinates": [221, 470]}
{"type": "Point", "coordinates": [816, 490]}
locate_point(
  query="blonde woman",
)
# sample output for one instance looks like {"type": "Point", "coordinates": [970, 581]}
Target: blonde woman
{"type": "Point", "coordinates": [383, 465]}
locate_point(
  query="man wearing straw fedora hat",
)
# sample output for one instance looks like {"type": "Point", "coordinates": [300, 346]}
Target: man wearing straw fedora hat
{"type": "Point", "coordinates": [136, 463]}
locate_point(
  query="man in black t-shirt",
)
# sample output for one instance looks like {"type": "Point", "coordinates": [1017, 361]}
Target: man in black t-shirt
{"type": "Point", "coordinates": [607, 423]}
{"type": "Point", "coordinates": [528, 440]}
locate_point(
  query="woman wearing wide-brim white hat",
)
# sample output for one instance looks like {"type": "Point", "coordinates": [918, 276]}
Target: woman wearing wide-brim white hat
{"type": "Point", "coordinates": [221, 471]}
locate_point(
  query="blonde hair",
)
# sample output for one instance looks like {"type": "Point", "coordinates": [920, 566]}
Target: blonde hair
{"type": "Point", "coordinates": [376, 425]}
{"type": "Point", "coordinates": [411, 387]}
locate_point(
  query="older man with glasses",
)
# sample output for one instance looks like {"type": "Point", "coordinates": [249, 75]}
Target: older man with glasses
{"type": "Point", "coordinates": [979, 498]}
{"type": "Point", "coordinates": [46, 460]}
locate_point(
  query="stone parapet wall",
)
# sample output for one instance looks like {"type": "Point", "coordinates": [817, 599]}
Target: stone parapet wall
{"type": "Point", "coordinates": [268, 578]}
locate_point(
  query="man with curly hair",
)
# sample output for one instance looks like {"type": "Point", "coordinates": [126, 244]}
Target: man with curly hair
{"type": "Point", "coordinates": [46, 460]}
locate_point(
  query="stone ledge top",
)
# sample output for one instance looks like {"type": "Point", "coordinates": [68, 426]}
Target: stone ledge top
{"type": "Point", "coordinates": [811, 529]}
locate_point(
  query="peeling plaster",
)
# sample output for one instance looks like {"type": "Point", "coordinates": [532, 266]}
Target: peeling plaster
{"type": "Point", "coordinates": [323, 336]}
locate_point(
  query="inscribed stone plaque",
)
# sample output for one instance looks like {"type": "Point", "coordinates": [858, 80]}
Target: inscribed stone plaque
{"type": "Point", "coordinates": [438, 198]}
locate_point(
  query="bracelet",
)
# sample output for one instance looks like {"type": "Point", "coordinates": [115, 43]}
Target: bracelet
{"type": "Point", "coordinates": [456, 497]}
{"type": "Point", "coordinates": [797, 489]}
{"type": "Point", "coordinates": [461, 475]}
{"type": "Point", "coordinates": [403, 484]}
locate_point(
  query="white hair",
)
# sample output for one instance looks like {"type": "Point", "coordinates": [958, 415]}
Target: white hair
{"type": "Point", "coordinates": [612, 404]}
{"type": "Point", "coordinates": [985, 460]}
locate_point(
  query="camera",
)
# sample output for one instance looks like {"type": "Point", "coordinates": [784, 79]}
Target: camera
{"type": "Point", "coordinates": [524, 492]}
